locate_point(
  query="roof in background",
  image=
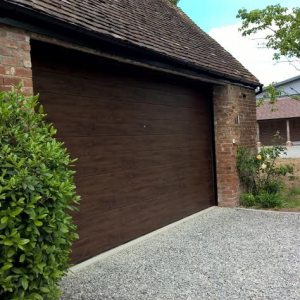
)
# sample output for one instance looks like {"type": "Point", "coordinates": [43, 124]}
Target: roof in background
{"type": "Point", "coordinates": [286, 108]}
{"type": "Point", "coordinates": [287, 80]}
{"type": "Point", "coordinates": [260, 94]}
{"type": "Point", "coordinates": [156, 25]}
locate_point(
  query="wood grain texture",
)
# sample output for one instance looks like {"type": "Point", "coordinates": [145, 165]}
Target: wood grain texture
{"type": "Point", "coordinates": [143, 143]}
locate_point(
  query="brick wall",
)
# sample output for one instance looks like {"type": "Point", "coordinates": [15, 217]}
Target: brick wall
{"type": "Point", "coordinates": [15, 60]}
{"type": "Point", "coordinates": [230, 102]}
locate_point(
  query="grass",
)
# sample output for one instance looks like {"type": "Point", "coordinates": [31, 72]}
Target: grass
{"type": "Point", "coordinates": [294, 192]}
{"type": "Point", "coordinates": [291, 195]}
{"type": "Point", "coordinates": [290, 198]}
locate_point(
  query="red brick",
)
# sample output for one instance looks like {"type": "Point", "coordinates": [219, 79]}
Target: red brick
{"type": "Point", "coordinates": [227, 106]}
{"type": "Point", "coordinates": [27, 63]}
{"type": "Point", "coordinates": [21, 54]}
{"type": "Point", "coordinates": [4, 51]}
{"type": "Point", "coordinates": [5, 88]}
{"type": "Point", "coordinates": [9, 44]}
{"type": "Point", "coordinates": [15, 60]}
{"type": "Point", "coordinates": [19, 72]}
{"type": "Point", "coordinates": [11, 81]}
{"type": "Point", "coordinates": [26, 47]}
{"type": "Point", "coordinates": [16, 36]}
{"type": "Point", "coordinates": [27, 83]}
{"type": "Point", "coordinates": [2, 70]}
{"type": "Point", "coordinates": [3, 33]}
{"type": "Point", "coordinates": [10, 61]}
{"type": "Point", "coordinates": [27, 90]}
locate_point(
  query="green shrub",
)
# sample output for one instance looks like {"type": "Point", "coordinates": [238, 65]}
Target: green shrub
{"type": "Point", "coordinates": [273, 187]}
{"type": "Point", "coordinates": [247, 200]}
{"type": "Point", "coordinates": [36, 189]}
{"type": "Point", "coordinates": [294, 191]}
{"type": "Point", "coordinates": [264, 199]}
{"type": "Point", "coordinates": [174, 1]}
{"type": "Point", "coordinates": [259, 171]}
{"type": "Point", "coordinates": [269, 200]}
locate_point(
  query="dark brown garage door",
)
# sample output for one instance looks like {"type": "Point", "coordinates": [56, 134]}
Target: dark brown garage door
{"type": "Point", "coordinates": [143, 143]}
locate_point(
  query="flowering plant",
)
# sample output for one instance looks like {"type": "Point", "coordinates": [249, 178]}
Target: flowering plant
{"type": "Point", "coordinates": [259, 172]}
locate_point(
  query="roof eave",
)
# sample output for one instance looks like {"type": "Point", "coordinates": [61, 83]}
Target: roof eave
{"type": "Point", "coordinates": [38, 16]}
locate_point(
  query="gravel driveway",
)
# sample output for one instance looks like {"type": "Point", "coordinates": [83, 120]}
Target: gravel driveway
{"type": "Point", "coordinates": [221, 254]}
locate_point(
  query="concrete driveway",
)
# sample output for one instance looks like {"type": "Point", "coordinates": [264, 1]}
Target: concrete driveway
{"type": "Point", "coordinates": [292, 152]}
{"type": "Point", "coordinates": [220, 254]}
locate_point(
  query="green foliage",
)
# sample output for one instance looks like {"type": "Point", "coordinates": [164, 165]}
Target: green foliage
{"type": "Point", "coordinates": [283, 28]}
{"type": "Point", "coordinates": [265, 200]}
{"type": "Point", "coordinates": [263, 179]}
{"type": "Point", "coordinates": [294, 191]}
{"type": "Point", "coordinates": [283, 36]}
{"type": "Point", "coordinates": [269, 200]}
{"type": "Point", "coordinates": [247, 200]}
{"type": "Point", "coordinates": [272, 93]}
{"type": "Point", "coordinates": [175, 2]}
{"type": "Point", "coordinates": [274, 187]}
{"type": "Point", "coordinates": [259, 171]}
{"type": "Point", "coordinates": [291, 199]}
{"type": "Point", "coordinates": [36, 189]}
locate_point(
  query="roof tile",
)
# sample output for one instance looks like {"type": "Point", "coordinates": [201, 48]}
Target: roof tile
{"type": "Point", "coordinates": [153, 24]}
{"type": "Point", "coordinates": [285, 108]}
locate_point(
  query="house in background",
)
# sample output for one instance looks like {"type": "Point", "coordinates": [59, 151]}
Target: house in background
{"type": "Point", "coordinates": [285, 119]}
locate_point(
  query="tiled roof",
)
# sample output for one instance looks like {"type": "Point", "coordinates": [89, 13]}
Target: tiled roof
{"type": "Point", "coordinates": [286, 108]}
{"type": "Point", "coordinates": [153, 24]}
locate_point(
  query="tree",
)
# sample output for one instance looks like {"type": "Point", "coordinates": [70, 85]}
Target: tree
{"type": "Point", "coordinates": [282, 29]}
{"type": "Point", "coordinates": [175, 2]}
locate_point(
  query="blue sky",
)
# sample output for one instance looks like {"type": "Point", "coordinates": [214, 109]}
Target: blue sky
{"type": "Point", "coordinates": [209, 14]}
{"type": "Point", "coordinates": [218, 19]}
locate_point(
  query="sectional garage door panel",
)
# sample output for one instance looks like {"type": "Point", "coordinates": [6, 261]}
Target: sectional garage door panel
{"type": "Point", "coordinates": [143, 145]}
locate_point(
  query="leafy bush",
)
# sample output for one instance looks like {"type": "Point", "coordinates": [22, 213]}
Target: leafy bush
{"type": "Point", "coordinates": [259, 171]}
{"type": "Point", "coordinates": [291, 199]}
{"type": "Point", "coordinates": [268, 200]}
{"type": "Point", "coordinates": [247, 200]}
{"type": "Point", "coordinates": [294, 191]}
{"type": "Point", "coordinates": [264, 199]}
{"type": "Point", "coordinates": [174, 1]}
{"type": "Point", "coordinates": [273, 187]}
{"type": "Point", "coordinates": [36, 189]}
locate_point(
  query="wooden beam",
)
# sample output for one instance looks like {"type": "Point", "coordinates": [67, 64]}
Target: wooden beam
{"type": "Point", "coordinates": [288, 135]}
{"type": "Point", "coordinates": [258, 134]}
{"type": "Point", "coordinates": [68, 45]}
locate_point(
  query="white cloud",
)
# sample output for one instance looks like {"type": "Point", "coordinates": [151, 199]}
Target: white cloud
{"type": "Point", "coordinates": [256, 60]}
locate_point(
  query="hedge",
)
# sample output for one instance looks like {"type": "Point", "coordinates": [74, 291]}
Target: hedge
{"type": "Point", "coordinates": [36, 193]}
